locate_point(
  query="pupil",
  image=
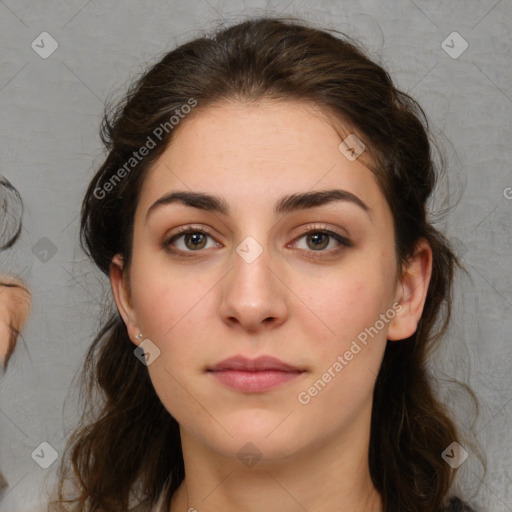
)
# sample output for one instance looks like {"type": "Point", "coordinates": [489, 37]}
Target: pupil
{"type": "Point", "coordinates": [195, 239]}
{"type": "Point", "coordinates": [316, 240]}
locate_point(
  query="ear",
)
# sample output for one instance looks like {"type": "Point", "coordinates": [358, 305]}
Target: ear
{"type": "Point", "coordinates": [122, 296]}
{"type": "Point", "coordinates": [411, 292]}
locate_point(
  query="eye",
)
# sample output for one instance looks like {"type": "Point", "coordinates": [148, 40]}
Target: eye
{"type": "Point", "coordinates": [190, 239]}
{"type": "Point", "coordinates": [317, 239]}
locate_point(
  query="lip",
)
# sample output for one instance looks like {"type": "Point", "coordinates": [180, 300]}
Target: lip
{"type": "Point", "coordinates": [259, 364]}
{"type": "Point", "coordinates": [254, 375]}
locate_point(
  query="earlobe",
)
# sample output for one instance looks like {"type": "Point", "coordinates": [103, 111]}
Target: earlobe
{"type": "Point", "coordinates": [122, 295]}
{"type": "Point", "coordinates": [411, 292]}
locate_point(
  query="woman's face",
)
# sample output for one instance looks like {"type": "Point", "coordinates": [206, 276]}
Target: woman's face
{"type": "Point", "coordinates": [265, 280]}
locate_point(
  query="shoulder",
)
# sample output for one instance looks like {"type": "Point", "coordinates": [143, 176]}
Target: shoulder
{"type": "Point", "coordinates": [457, 505]}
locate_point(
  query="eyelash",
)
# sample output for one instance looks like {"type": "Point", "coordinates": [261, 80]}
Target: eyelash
{"type": "Point", "coordinates": [344, 242]}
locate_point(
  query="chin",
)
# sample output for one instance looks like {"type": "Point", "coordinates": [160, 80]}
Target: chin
{"type": "Point", "coordinates": [273, 438]}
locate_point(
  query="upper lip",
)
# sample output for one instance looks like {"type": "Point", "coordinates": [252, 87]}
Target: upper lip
{"type": "Point", "coordinates": [259, 364]}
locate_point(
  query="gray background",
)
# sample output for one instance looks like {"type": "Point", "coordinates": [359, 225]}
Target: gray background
{"type": "Point", "coordinates": [49, 147]}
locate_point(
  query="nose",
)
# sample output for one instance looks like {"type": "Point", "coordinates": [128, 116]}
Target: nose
{"type": "Point", "coordinates": [253, 295]}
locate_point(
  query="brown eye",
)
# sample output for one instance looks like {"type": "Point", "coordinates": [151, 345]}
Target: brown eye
{"type": "Point", "coordinates": [318, 240]}
{"type": "Point", "coordinates": [195, 240]}
{"type": "Point", "coordinates": [189, 240]}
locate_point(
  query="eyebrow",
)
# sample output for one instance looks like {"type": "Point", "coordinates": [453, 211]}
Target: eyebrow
{"type": "Point", "coordinates": [286, 204]}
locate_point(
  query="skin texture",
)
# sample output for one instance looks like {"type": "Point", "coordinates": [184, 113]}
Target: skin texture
{"type": "Point", "coordinates": [288, 303]}
{"type": "Point", "coordinates": [14, 311]}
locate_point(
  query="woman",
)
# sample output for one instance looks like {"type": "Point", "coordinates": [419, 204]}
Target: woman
{"type": "Point", "coordinates": [15, 297]}
{"type": "Point", "coordinates": [261, 215]}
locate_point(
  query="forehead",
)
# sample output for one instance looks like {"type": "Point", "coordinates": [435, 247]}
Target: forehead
{"type": "Point", "coordinates": [247, 150]}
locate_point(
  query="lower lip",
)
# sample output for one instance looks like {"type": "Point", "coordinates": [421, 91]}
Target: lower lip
{"type": "Point", "coordinates": [256, 381]}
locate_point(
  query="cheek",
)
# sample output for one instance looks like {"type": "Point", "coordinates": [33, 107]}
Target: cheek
{"type": "Point", "coordinates": [352, 302]}
{"type": "Point", "coordinates": [166, 300]}
{"type": "Point", "coordinates": [352, 306]}
{"type": "Point", "coordinates": [348, 361]}
{"type": "Point", "coordinates": [169, 309]}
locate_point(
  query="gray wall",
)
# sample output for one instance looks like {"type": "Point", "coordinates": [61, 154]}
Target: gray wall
{"type": "Point", "coordinates": [49, 146]}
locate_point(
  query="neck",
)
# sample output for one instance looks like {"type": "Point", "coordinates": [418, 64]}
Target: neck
{"type": "Point", "coordinates": [333, 477]}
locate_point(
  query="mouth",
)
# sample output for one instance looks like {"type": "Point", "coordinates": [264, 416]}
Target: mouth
{"type": "Point", "coordinates": [254, 375]}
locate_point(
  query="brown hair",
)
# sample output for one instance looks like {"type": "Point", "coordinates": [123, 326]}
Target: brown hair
{"type": "Point", "coordinates": [127, 441]}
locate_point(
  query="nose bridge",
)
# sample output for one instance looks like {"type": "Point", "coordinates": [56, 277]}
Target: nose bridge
{"type": "Point", "coordinates": [252, 295]}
